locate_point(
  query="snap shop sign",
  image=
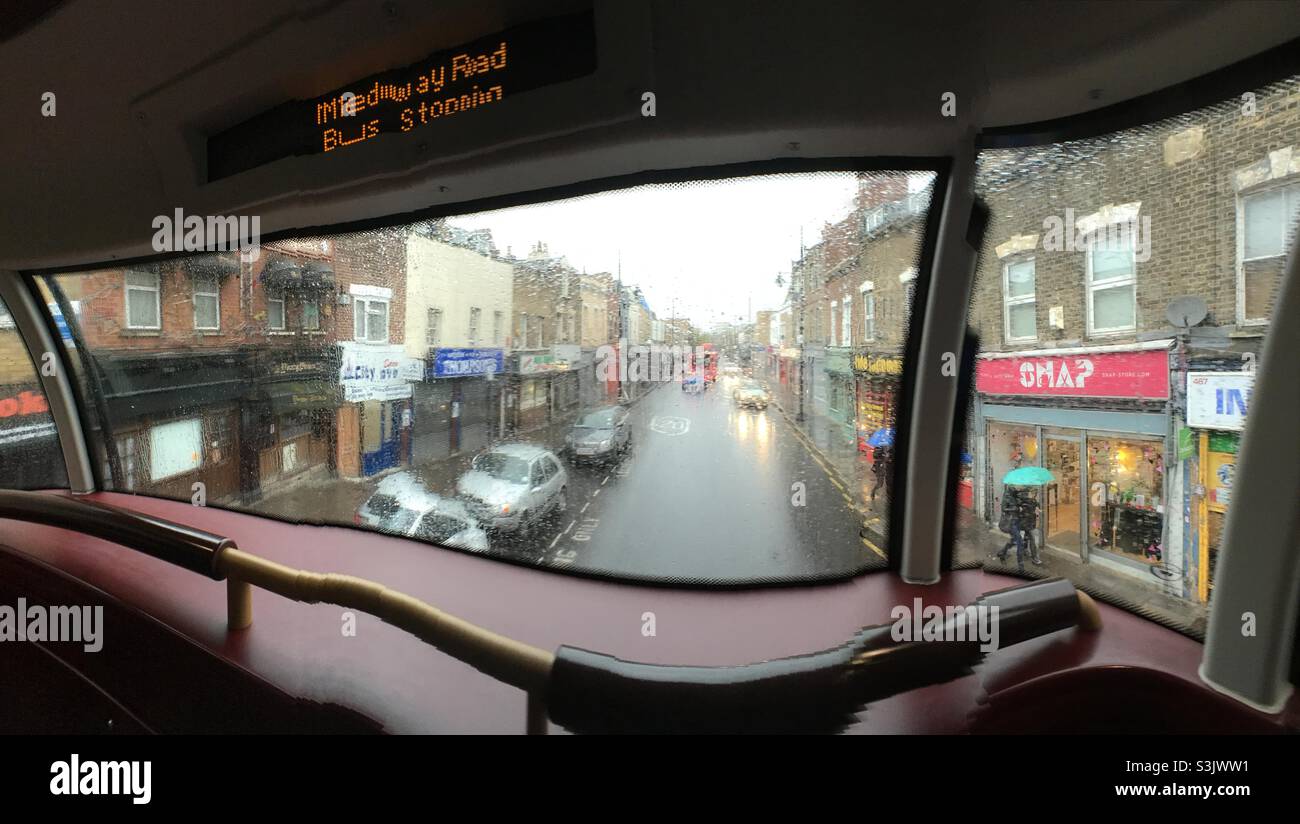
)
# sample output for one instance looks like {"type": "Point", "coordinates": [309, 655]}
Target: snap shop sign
{"type": "Point", "coordinates": [1090, 375]}
{"type": "Point", "coordinates": [1219, 400]}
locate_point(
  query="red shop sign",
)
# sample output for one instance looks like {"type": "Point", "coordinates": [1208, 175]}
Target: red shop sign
{"type": "Point", "coordinates": [24, 403]}
{"type": "Point", "coordinates": [1094, 374]}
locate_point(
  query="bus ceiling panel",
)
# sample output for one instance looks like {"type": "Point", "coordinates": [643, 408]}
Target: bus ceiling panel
{"type": "Point", "coordinates": [139, 95]}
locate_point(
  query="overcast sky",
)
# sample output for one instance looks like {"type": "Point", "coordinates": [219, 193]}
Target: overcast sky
{"type": "Point", "coordinates": [701, 250]}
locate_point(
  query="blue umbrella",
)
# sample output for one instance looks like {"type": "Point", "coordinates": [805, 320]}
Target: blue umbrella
{"type": "Point", "coordinates": [1028, 476]}
{"type": "Point", "coordinates": [881, 437]}
{"type": "Point", "coordinates": [965, 457]}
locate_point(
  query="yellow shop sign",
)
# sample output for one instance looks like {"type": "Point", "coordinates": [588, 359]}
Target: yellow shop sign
{"type": "Point", "coordinates": [875, 365]}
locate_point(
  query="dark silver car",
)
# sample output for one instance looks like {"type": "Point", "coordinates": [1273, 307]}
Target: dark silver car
{"type": "Point", "coordinates": [599, 435]}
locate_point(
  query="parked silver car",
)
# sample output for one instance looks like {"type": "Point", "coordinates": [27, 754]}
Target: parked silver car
{"type": "Point", "coordinates": [512, 487]}
{"type": "Point", "coordinates": [401, 505]}
{"type": "Point", "coordinates": [599, 435]}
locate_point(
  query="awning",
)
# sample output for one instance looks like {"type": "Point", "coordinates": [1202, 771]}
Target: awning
{"type": "Point", "coordinates": [301, 396]}
{"type": "Point", "coordinates": [287, 273]}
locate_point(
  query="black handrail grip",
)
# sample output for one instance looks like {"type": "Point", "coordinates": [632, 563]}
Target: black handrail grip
{"type": "Point", "coordinates": [184, 546]}
{"type": "Point", "coordinates": [816, 693]}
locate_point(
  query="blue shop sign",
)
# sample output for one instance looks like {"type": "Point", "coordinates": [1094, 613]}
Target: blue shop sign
{"type": "Point", "coordinates": [460, 363]}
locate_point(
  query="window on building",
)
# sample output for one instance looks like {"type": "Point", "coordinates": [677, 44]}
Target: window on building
{"type": "Point", "coordinates": [497, 318]}
{"type": "Point", "coordinates": [1267, 224]}
{"type": "Point", "coordinates": [1112, 286]}
{"type": "Point", "coordinates": [846, 322]}
{"type": "Point", "coordinates": [868, 312]}
{"type": "Point", "coordinates": [523, 331]}
{"type": "Point", "coordinates": [207, 302]}
{"type": "Point", "coordinates": [1019, 305]}
{"type": "Point", "coordinates": [433, 335]}
{"type": "Point", "coordinates": [275, 312]}
{"type": "Point", "coordinates": [310, 315]}
{"type": "Point", "coordinates": [474, 315]}
{"type": "Point", "coordinates": [143, 301]}
{"type": "Point", "coordinates": [370, 320]}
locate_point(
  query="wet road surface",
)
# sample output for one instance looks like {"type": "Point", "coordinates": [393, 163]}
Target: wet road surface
{"type": "Point", "coordinates": [707, 491]}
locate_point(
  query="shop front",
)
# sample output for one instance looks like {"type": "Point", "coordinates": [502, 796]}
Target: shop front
{"type": "Point", "coordinates": [876, 378]}
{"type": "Point", "coordinates": [374, 422]}
{"type": "Point", "coordinates": [289, 414]}
{"type": "Point", "coordinates": [840, 391]}
{"type": "Point", "coordinates": [1098, 421]}
{"type": "Point", "coordinates": [1217, 403]}
{"type": "Point", "coordinates": [538, 381]}
{"type": "Point", "coordinates": [457, 406]}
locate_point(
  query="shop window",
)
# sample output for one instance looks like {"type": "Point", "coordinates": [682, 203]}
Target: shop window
{"type": "Point", "coordinates": [1010, 447]}
{"type": "Point", "coordinates": [294, 425]}
{"type": "Point", "coordinates": [1112, 287]}
{"type": "Point", "coordinates": [207, 302]}
{"type": "Point", "coordinates": [175, 448]}
{"type": "Point", "coordinates": [143, 300]}
{"type": "Point", "coordinates": [1267, 225]}
{"type": "Point", "coordinates": [1019, 304]}
{"type": "Point", "coordinates": [1126, 497]}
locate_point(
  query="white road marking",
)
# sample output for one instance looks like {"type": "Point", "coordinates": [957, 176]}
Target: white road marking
{"type": "Point", "coordinates": [594, 494]}
{"type": "Point", "coordinates": [554, 541]}
{"type": "Point", "coordinates": [567, 528]}
{"type": "Point", "coordinates": [670, 425]}
{"type": "Point", "coordinates": [584, 507]}
{"type": "Point", "coordinates": [602, 483]}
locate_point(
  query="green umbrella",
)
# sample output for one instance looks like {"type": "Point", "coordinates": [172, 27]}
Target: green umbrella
{"type": "Point", "coordinates": [1028, 476]}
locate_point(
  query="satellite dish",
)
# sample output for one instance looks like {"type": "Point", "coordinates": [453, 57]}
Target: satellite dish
{"type": "Point", "coordinates": [1186, 312]}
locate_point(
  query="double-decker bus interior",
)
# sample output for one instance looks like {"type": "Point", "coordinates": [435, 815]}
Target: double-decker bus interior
{"type": "Point", "coordinates": [344, 339]}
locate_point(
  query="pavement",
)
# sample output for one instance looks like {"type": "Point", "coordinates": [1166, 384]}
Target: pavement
{"type": "Point", "coordinates": [977, 543]}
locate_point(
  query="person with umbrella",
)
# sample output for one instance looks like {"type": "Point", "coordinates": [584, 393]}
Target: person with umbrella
{"type": "Point", "coordinates": [1019, 514]}
{"type": "Point", "coordinates": [882, 444]}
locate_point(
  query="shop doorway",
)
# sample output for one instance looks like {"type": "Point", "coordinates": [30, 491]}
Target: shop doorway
{"type": "Point", "coordinates": [1062, 518]}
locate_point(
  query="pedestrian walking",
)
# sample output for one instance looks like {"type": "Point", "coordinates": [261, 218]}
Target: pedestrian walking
{"type": "Point", "coordinates": [1028, 523]}
{"type": "Point", "coordinates": [1009, 522]}
{"type": "Point", "coordinates": [880, 465]}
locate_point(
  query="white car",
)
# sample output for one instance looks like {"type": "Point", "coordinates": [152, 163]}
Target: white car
{"type": "Point", "coordinates": [401, 505]}
{"type": "Point", "coordinates": [512, 487]}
